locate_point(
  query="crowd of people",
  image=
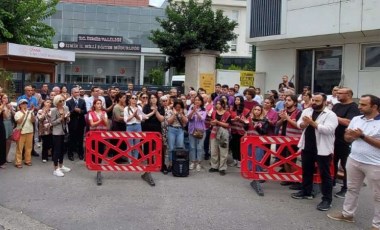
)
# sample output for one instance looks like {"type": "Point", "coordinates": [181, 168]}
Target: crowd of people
{"type": "Point", "coordinates": [331, 128]}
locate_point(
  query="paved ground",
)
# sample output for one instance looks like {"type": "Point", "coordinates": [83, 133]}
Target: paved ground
{"type": "Point", "coordinates": [32, 198]}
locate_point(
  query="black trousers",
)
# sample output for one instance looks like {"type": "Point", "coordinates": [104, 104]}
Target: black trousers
{"type": "Point", "coordinates": [308, 166]}
{"type": "Point", "coordinates": [341, 153]}
{"type": "Point", "coordinates": [76, 141]}
{"type": "Point", "coordinates": [235, 146]}
{"type": "Point", "coordinates": [58, 146]}
{"type": "Point", "coordinates": [206, 144]}
{"type": "Point", "coordinates": [47, 143]}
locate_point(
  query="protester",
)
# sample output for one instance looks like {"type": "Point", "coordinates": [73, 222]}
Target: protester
{"type": "Point", "coordinates": [60, 117]}
{"type": "Point", "coordinates": [196, 129]}
{"type": "Point", "coordinates": [25, 119]}
{"type": "Point", "coordinates": [286, 85]}
{"type": "Point", "coordinates": [306, 100]}
{"type": "Point", "coordinates": [238, 113]}
{"type": "Point", "coordinates": [78, 110]}
{"type": "Point", "coordinates": [133, 116]}
{"type": "Point", "coordinates": [364, 161]}
{"type": "Point", "coordinates": [317, 145]}
{"type": "Point", "coordinates": [3, 138]}
{"type": "Point", "coordinates": [45, 128]}
{"type": "Point", "coordinates": [249, 103]}
{"type": "Point", "coordinates": [219, 138]}
{"type": "Point", "coordinates": [332, 99]}
{"type": "Point", "coordinates": [8, 114]}
{"type": "Point", "coordinates": [118, 123]}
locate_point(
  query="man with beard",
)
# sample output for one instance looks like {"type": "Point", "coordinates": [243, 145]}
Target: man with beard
{"type": "Point", "coordinates": [287, 124]}
{"type": "Point", "coordinates": [345, 111]}
{"type": "Point", "coordinates": [317, 145]}
{"type": "Point", "coordinates": [77, 108]}
{"type": "Point", "coordinates": [110, 102]}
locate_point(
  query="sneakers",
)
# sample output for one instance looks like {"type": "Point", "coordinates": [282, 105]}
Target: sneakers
{"type": "Point", "coordinates": [324, 205]}
{"type": "Point", "coordinates": [58, 173]}
{"type": "Point", "coordinates": [222, 172]}
{"type": "Point", "coordinates": [44, 161]}
{"type": "Point", "coordinates": [148, 178]}
{"type": "Point", "coordinates": [238, 164]}
{"type": "Point", "coordinates": [301, 195]}
{"type": "Point", "coordinates": [211, 170]}
{"type": "Point", "coordinates": [339, 216]}
{"type": "Point", "coordinates": [65, 169]}
{"type": "Point", "coordinates": [341, 193]}
{"type": "Point", "coordinates": [191, 166]}
{"type": "Point", "coordinates": [233, 163]}
{"type": "Point", "coordinates": [198, 167]}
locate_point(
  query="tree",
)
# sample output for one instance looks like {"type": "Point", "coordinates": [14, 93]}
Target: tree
{"type": "Point", "coordinates": [192, 25]}
{"type": "Point", "coordinates": [21, 22]}
{"type": "Point", "coordinates": [157, 76]}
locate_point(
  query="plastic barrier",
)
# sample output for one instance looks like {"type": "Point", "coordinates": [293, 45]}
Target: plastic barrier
{"type": "Point", "coordinates": [257, 169]}
{"type": "Point", "coordinates": [123, 151]}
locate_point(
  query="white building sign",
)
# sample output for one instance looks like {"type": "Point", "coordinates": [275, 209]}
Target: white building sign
{"type": "Point", "coordinates": [38, 52]}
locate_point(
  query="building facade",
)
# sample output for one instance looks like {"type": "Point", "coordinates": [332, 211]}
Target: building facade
{"type": "Point", "coordinates": [110, 39]}
{"type": "Point", "coordinates": [317, 43]}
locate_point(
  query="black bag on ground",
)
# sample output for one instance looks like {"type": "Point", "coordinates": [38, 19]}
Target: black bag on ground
{"type": "Point", "coordinates": [180, 167]}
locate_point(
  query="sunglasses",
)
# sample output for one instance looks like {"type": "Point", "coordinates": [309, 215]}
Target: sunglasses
{"type": "Point", "coordinates": [164, 100]}
{"type": "Point", "coordinates": [144, 97]}
{"type": "Point", "coordinates": [61, 101]}
{"type": "Point", "coordinates": [134, 98]}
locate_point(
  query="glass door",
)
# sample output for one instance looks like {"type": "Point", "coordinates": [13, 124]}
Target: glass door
{"type": "Point", "coordinates": [321, 69]}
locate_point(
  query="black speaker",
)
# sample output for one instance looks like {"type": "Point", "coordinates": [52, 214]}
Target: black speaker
{"type": "Point", "coordinates": [180, 163]}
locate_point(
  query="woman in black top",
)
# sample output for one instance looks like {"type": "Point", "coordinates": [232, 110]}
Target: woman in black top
{"type": "Point", "coordinates": [154, 115]}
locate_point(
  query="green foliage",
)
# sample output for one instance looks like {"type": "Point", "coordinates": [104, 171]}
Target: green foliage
{"type": "Point", "coordinates": [7, 84]}
{"type": "Point", "coordinates": [21, 22]}
{"type": "Point", "coordinates": [157, 76]}
{"type": "Point", "coordinates": [234, 67]}
{"type": "Point", "coordinates": [192, 25]}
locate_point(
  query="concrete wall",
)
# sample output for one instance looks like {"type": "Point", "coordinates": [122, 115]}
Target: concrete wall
{"type": "Point", "coordinates": [277, 60]}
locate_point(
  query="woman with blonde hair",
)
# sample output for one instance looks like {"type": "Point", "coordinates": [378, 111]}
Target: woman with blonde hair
{"type": "Point", "coordinates": [60, 116]}
{"type": "Point", "coordinates": [8, 113]}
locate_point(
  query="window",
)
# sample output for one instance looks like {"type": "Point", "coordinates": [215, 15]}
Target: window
{"type": "Point", "coordinates": [250, 49]}
{"type": "Point", "coordinates": [233, 45]}
{"type": "Point", "coordinates": [265, 18]}
{"type": "Point", "coordinates": [235, 15]}
{"type": "Point", "coordinates": [371, 56]}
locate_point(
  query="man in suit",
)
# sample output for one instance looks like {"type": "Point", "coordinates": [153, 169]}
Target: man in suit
{"type": "Point", "coordinates": [77, 108]}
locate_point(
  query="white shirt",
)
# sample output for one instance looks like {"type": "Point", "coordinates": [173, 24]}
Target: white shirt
{"type": "Point", "coordinates": [324, 134]}
{"type": "Point", "coordinates": [128, 111]}
{"type": "Point", "coordinates": [360, 150]}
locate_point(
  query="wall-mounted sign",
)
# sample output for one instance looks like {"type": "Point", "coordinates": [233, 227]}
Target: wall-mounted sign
{"type": "Point", "coordinates": [207, 82]}
{"type": "Point", "coordinates": [100, 47]}
{"type": "Point", "coordinates": [247, 78]}
{"type": "Point", "coordinates": [99, 38]}
{"type": "Point", "coordinates": [38, 52]}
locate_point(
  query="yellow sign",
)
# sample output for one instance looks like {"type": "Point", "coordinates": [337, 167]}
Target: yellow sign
{"type": "Point", "coordinates": [247, 78]}
{"type": "Point", "coordinates": [207, 82]}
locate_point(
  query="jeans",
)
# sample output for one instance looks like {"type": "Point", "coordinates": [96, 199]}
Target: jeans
{"type": "Point", "coordinates": [175, 138]}
{"type": "Point", "coordinates": [196, 148]}
{"type": "Point", "coordinates": [206, 144]}
{"type": "Point", "coordinates": [308, 166]}
{"type": "Point", "coordinates": [259, 154]}
{"type": "Point", "coordinates": [134, 128]}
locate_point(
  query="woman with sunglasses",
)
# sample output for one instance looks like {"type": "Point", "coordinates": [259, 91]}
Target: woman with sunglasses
{"type": "Point", "coordinates": [165, 103]}
{"type": "Point", "coordinates": [60, 116]}
{"type": "Point", "coordinates": [154, 115]}
{"type": "Point", "coordinates": [133, 116]}
{"type": "Point", "coordinates": [45, 128]}
{"type": "Point", "coordinates": [143, 99]}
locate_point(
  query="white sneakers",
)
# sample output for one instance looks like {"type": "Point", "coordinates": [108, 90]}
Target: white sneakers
{"type": "Point", "coordinates": [238, 164]}
{"type": "Point", "coordinates": [59, 172]}
{"type": "Point", "coordinates": [65, 169]}
{"type": "Point", "coordinates": [198, 168]}
{"type": "Point", "coordinates": [192, 166]}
